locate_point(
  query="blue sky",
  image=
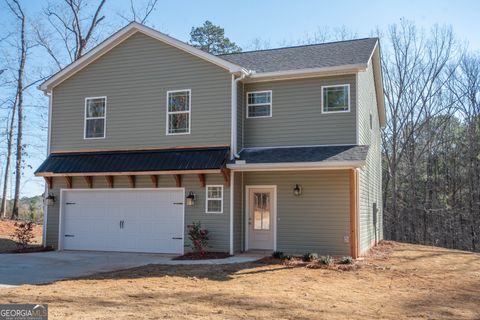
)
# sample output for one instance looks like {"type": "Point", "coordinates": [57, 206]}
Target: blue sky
{"type": "Point", "coordinates": [278, 22]}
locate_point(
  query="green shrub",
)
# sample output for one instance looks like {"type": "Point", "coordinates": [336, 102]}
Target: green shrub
{"type": "Point", "coordinates": [346, 260]}
{"type": "Point", "coordinates": [278, 255]}
{"type": "Point", "coordinates": [198, 237]}
{"type": "Point", "coordinates": [326, 260]}
{"type": "Point", "coordinates": [310, 256]}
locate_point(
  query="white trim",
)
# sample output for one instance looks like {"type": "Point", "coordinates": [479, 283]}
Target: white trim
{"type": "Point", "coordinates": [95, 118]}
{"type": "Point", "coordinates": [124, 34]}
{"type": "Point", "coordinates": [232, 185]}
{"type": "Point", "coordinates": [302, 146]}
{"type": "Point", "coordinates": [357, 109]}
{"type": "Point", "coordinates": [307, 73]}
{"type": "Point", "coordinates": [61, 208]}
{"type": "Point", "coordinates": [207, 198]}
{"type": "Point", "coordinates": [247, 213]}
{"type": "Point", "coordinates": [294, 166]}
{"type": "Point", "coordinates": [258, 104]}
{"type": "Point", "coordinates": [180, 112]}
{"type": "Point", "coordinates": [46, 190]}
{"type": "Point", "coordinates": [335, 86]}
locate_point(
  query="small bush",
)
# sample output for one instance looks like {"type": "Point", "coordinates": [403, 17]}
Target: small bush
{"type": "Point", "coordinates": [310, 256]}
{"type": "Point", "coordinates": [198, 237]}
{"type": "Point", "coordinates": [288, 257]}
{"type": "Point", "coordinates": [326, 260]}
{"type": "Point", "coordinates": [346, 260]}
{"type": "Point", "coordinates": [23, 233]}
{"type": "Point", "coordinates": [278, 255]}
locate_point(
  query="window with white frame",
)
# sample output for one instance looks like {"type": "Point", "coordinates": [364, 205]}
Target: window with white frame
{"type": "Point", "coordinates": [178, 112]}
{"type": "Point", "coordinates": [259, 104]}
{"type": "Point", "coordinates": [214, 195]}
{"type": "Point", "coordinates": [95, 117]}
{"type": "Point", "coordinates": [336, 98]}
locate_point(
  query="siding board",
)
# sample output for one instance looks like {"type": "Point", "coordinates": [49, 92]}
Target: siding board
{"type": "Point", "coordinates": [135, 77]}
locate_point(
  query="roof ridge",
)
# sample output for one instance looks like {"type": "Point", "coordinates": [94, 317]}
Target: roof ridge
{"type": "Point", "coordinates": [299, 46]}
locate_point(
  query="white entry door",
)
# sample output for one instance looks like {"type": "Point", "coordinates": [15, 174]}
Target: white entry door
{"type": "Point", "coordinates": [261, 218]}
{"type": "Point", "coordinates": [123, 220]}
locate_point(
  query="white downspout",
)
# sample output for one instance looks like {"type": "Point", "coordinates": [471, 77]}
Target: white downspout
{"type": "Point", "coordinates": [49, 133]}
{"type": "Point", "coordinates": [234, 106]}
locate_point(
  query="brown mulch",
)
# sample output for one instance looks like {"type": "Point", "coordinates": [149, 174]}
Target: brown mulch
{"type": "Point", "coordinates": [203, 256]}
{"type": "Point", "coordinates": [30, 249]}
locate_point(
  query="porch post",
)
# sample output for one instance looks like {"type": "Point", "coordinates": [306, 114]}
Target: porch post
{"type": "Point", "coordinates": [232, 174]}
{"type": "Point", "coordinates": [353, 213]}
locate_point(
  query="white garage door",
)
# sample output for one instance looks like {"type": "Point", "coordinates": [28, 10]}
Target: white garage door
{"type": "Point", "coordinates": [123, 220]}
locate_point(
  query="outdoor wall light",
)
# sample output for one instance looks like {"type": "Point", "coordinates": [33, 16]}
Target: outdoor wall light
{"type": "Point", "coordinates": [50, 199]}
{"type": "Point", "coordinates": [297, 190]}
{"type": "Point", "coordinates": [190, 200]}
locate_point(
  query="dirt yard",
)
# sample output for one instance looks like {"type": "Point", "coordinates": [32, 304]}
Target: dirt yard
{"type": "Point", "coordinates": [413, 282]}
{"type": "Point", "coordinates": [6, 230]}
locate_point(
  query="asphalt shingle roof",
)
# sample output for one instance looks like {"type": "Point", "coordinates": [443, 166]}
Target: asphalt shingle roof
{"type": "Point", "coordinates": [304, 154]}
{"type": "Point", "coordinates": [332, 54]}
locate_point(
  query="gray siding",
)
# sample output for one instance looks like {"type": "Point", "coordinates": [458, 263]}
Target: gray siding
{"type": "Point", "coordinates": [135, 77]}
{"type": "Point", "coordinates": [238, 218]}
{"type": "Point", "coordinates": [217, 224]}
{"type": "Point", "coordinates": [316, 221]}
{"type": "Point", "coordinates": [296, 115]}
{"type": "Point", "coordinates": [370, 178]}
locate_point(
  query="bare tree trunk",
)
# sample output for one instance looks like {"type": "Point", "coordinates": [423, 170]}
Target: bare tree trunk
{"type": "Point", "coordinates": [18, 12]}
{"type": "Point", "coordinates": [3, 205]}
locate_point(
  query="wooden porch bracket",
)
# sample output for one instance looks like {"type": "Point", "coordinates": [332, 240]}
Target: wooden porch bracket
{"type": "Point", "coordinates": [353, 213]}
{"type": "Point", "coordinates": [88, 181]}
{"type": "Point", "coordinates": [226, 176]}
{"type": "Point", "coordinates": [49, 182]}
{"type": "Point", "coordinates": [131, 181]}
{"type": "Point", "coordinates": [154, 179]}
{"type": "Point", "coordinates": [69, 182]}
{"type": "Point", "coordinates": [178, 180]}
{"type": "Point", "coordinates": [109, 180]}
{"type": "Point", "coordinates": [201, 177]}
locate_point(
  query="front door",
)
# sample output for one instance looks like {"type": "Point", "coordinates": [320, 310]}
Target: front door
{"type": "Point", "coordinates": [261, 222]}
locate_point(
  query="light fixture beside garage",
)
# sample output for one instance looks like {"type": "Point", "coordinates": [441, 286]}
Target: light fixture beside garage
{"type": "Point", "coordinates": [190, 199]}
{"type": "Point", "coordinates": [297, 191]}
{"type": "Point", "coordinates": [50, 199]}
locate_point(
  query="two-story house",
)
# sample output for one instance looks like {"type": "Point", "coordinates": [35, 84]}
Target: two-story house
{"type": "Point", "coordinates": [272, 149]}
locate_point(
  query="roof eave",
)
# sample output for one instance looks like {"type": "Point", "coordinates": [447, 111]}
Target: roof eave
{"type": "Point", "coordinates": [307, 73]}
{"type": "Point", "coordinates": [119, 37]}
{"type": "Point", "coordinates": [292, 166]}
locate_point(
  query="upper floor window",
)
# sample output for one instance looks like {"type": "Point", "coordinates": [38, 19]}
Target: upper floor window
{"type": "Point", "coordinates": [336, 98]}
{"type": "Point", "coordinates": [95, 117]}
{"type": "Point", "coordinates": [214, 199]}
{"type": "Point", "coordinates": [178, 112]}
{"type": "Point", "coordinates": [259, 104]}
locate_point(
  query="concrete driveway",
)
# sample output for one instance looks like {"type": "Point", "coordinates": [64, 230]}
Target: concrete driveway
{"type": "Point", "coordinates": [46, 267]}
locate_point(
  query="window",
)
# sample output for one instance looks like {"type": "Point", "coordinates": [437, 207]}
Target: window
{"type": "Point", "coordinates": [95, 117]}
{"type": "Point", "coordinates": [214, 203]}
{"type": "Point", "coordinates": [178, 112]}
{"type": "Point", "coordinates": [259, 104]}
{"type": "Point", "coordinates": [261, 211]}
{"type": "Point", "coordinates": [336, 98]}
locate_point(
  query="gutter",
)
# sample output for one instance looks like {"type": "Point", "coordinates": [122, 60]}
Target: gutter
{"type": "Point", "coordinates": [292, 166]}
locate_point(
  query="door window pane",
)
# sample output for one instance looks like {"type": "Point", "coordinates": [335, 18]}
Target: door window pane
{"type": "Point", "coordinates": [261, 211]}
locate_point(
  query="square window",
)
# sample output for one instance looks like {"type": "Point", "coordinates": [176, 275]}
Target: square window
{"type": "Point", "coordinates": [259, 104]}
{"type": "Point", "coordinates": [214, 199]}
{"type": "Point", "coordinates": [336, 98]}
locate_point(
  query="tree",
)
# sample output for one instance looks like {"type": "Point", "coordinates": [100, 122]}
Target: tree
{"type": "Point", "coordinates": [70, 30]}
{"type": "Point", "coordinates": [211, 38]}
{"type": "Point", "coordinates": [139, 14]}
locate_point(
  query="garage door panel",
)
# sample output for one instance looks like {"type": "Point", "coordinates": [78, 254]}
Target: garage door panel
{"type": "Point", "coordinates": [151, 220]}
